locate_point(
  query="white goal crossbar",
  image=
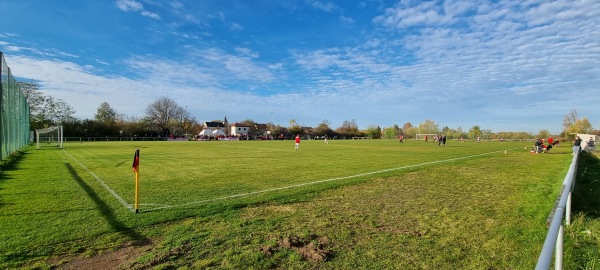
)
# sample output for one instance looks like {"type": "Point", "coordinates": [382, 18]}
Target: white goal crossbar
{"type": "Point", "coordinates": [50, 136]}
{"type": "Point", "coordinates": [422, 136]}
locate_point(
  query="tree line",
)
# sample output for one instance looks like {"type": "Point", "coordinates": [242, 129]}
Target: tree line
{"type": "Point", "coordinates": [164, 118]}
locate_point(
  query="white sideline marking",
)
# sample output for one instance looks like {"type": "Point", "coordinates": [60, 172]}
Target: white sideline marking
{"type": "Point", "coordinates": [123, 202]}
{"type": "Point", "coordinates": [321, 181]}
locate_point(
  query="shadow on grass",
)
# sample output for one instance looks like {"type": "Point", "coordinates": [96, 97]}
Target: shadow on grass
{"type": "Point", "coordinates": [10, 164]}
{"type": "Point", "coordinates": [12, 161]}
{"type": "Point", "coordinates": [586, 194]}
{"type": "Point", "coordinates": [107, 213]}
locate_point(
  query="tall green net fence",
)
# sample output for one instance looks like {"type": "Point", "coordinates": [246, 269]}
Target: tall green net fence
{"type": "Point", "coordinates": [14, 114]}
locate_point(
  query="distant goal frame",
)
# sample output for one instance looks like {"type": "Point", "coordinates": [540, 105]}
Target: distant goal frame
{"type": "Point", "coordinates": [49, 130]}
{"type": "Point", "coordinates": [423, 135]}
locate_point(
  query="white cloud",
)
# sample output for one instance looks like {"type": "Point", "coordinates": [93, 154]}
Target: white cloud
{"type": "Point", "coordinates": [459, 63]}
{"type": "Point", "coordinates": [235, 26]}
{"type": "Point", "coordinates": [247, 52]}
{"type": "Point", "coordinates": [134, 6]}
{"type": "Point", "coordinates": [327, 7]}
{"type": "Point", "coordinates": [426, 13]}
{"type": "Point", "coordinates": [347, 19]}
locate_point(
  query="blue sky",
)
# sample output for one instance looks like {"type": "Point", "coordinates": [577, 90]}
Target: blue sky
{"type": "Point", "coordinates": [505, 65]}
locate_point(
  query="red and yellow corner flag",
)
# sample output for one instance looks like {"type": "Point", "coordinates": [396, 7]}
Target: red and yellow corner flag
{"type": "Point", "coordinates": [136, 170]}
{"type": "Point", "coordinates": [136, 160]}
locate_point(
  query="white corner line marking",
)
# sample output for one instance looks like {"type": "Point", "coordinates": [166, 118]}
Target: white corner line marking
{"type": "Point", "coordinates": [123, 202]}
{"type": "Point", "coordinates": [322, 181]}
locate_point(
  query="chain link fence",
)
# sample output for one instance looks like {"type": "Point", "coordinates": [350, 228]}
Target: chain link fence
{"type": "Point", "coordinates": [14, 114]}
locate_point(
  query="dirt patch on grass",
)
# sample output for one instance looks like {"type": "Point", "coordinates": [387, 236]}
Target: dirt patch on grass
{"type": "Point", "coordinates": [313, 249]}
{"type": "Point", "coordinates": [119, 259]}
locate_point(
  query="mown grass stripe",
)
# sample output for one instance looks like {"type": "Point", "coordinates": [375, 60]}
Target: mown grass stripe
{"type": "Point", "coordinates": [322, 181]}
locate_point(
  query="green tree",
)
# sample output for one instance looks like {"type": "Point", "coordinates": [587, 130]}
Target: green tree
{"type": "Point", "coordinates": [475, 132]}
{"type": "Point", "coordinates": [582, 125]}
{"type": "Point", "coordinates": [279, 130]}
{"type": "Point", "coordinates": [459, 132]}
{"type": "Point", "coordinates": [106, 114]}
{"type": "Point", "coordinates": [391, 132]}
{"type": "Point", "coordinates": [428, 127]}
{"type": "Point", "coordinates": [324, 129]}
{"type": "Point", "coordinates": [106, 117]}
{"type": "Point", "coordinates": [572, 124]}
{"type": "Point", "coordinates": [136, 127]}
{"type": "Point", "coordinates": [544, 133]}
{"type": "Point", "coordinates": [373, 132]}
{"type": "Point", "coordinates": [294, 128]}
{"type": "Point", "coordinates": [409, 130]}
{"type": "Point", "coordinates": [293, 122]}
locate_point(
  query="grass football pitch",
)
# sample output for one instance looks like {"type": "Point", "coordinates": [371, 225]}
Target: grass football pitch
{"type": "Point", "coordinates": [232, 204]}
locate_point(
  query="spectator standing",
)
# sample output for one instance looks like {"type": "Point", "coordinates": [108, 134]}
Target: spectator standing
{"type": "Point", "coordinates": [576, 145]}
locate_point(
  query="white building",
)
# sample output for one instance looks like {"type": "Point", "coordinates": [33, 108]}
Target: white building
{"type": "Point", "coordinates": [209, 128]}
{"type": "Point", "coordinates": [239, 130]}
{"type": "Point", "coordinates": [588, 141]}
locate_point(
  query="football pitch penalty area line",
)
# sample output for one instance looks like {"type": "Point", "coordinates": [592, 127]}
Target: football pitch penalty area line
{"type": "Point", "coordinates": [123, 202]}
{"type": "Point", "coordinates": [325, 180]}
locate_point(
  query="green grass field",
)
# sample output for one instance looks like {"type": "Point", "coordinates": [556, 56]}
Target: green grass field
{"type": "Point", "coordinates": [369, 204]}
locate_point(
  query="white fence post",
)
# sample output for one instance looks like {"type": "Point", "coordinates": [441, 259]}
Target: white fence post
{"type": "Point", "coordinates": [568, 210]}
{"type": "Point", "coordinates": [562, 212]}
{"type": "Point", "coordinates": [558, 254]}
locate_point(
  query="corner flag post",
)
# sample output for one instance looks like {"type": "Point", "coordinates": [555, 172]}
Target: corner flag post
{"type": "Point", "coordinates": [136, 170]}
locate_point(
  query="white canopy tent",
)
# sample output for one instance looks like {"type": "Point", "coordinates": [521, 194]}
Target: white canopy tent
{"type": "Point", "coordinates": [205, 132]}
{"type": "Point", "coordinates": [218, 132]}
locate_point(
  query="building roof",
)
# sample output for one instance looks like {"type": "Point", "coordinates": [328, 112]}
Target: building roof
{"type": "Point", "coordinates": [262, 127]}
{"type": "Point", "coordinates": [239, 125]}
{"type": "Point", "coordinates": [214, 124]}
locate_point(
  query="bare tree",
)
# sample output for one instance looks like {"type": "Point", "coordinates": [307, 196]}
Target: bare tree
{"type": "Point", "coordinates": [570, 119]}
{"type": "Point", "coordinates": [349, 128]}
{"type": "Point", "coordinates": [45, 110]}
{"type": "Point", "coordinates": [164, 111]}
{"type": "Point", "coordinates": [59, 111]}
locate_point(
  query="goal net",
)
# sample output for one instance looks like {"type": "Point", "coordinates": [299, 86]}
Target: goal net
{"type": "Point", "coordinates": [429, 137]}
{"type": "Point", "coordinates": [50, 137]}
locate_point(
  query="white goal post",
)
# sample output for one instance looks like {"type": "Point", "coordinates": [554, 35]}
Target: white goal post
{"type": "Point", "coordinates": [50, 137]}
{"type": "Point", "coordinates": [362, 138]}
{"type": "Point", "coordinates": [419, 136]}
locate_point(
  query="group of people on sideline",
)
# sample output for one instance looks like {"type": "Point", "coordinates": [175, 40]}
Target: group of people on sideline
{"type": "Point", "coordinates": [541, 147]}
